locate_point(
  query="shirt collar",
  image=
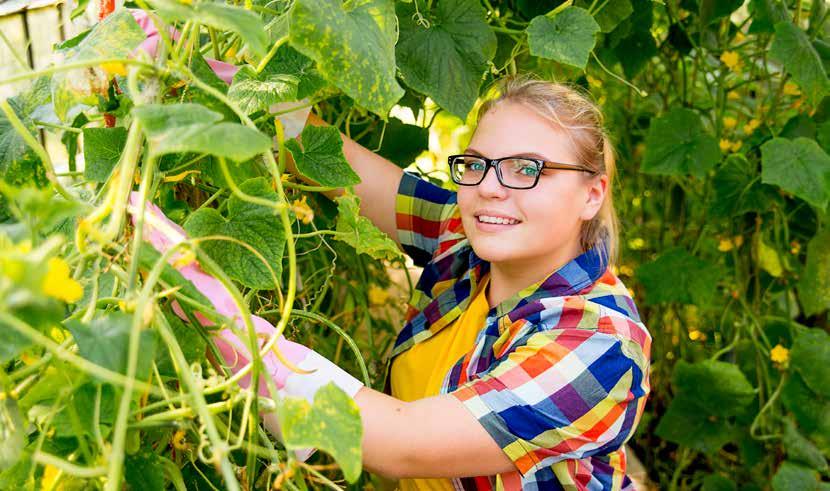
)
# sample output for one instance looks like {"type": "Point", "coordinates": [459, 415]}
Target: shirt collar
{"type": "Point", "coordinates": [569, 279]}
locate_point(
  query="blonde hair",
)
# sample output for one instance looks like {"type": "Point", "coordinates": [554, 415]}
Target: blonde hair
{"type": "Point", "coordinates": [571, 109]}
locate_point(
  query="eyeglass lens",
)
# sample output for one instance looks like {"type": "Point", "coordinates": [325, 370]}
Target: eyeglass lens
{"type": "Point", "coordinates": [517, 172]}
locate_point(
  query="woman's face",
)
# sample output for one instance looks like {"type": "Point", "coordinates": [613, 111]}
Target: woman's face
{"type": "Point", "coordinates": [549, 215]}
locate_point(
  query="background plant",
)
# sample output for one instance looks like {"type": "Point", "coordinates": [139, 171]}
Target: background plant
{"type": "Point", "coordinates": [720, 116]}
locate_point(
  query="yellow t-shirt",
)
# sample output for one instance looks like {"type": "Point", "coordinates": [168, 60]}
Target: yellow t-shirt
{"type": "Point", "coordinates": [419, 372]}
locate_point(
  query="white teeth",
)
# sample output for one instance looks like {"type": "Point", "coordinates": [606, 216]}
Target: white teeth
{"type": "Point", "coordinates": [498, 220]}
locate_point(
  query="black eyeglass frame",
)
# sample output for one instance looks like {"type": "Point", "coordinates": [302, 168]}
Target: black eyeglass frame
{"type": "Point", "coordinates": [496, 164]}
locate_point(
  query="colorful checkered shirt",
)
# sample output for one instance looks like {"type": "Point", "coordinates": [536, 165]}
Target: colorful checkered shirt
{"type": "Point", "coordinates": [559, 372]}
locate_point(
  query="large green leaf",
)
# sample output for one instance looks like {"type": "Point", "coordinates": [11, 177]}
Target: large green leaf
{"type": "Point", "coordinates": [359, 232]}
{"type": "Point", "coordinates": [354, 49]}
{"type": "Point", "coordinates": [810, 409]}
{"type": "Point", "coordinates": [83, 404]}
{"type": "Point", "coordinates": [798, 166]}
{"type": "Point", "coordinates": [331, 424]}
{"type": "Point", "coordinates": [609, 16]}
{"type": "Point", "coordinates": [792, 48]}
{"type": "Point", "coordinates": [253, 91]}
{"type": "Point", "coordinates": [810, 356]}
{"type": "Point", "coordinates": [677, 276]}
{"type": "Point", "coordinates": [102, 149]}
{"type": "Point", "coordinates": [567, 37]}
{"type": "Point", "coordinates": [289, 61]}
{"type": "Point", "coordinates": [18, 163]}
{"type": "Point", "coordinates": [765, 14]}
{"type": "Point", "coordinates": [677, 144]}
{"type": "Point", "coordinates": [727, 389]}
{"type": "Point", "coordinates": [737, 189]}
{"type": "Point", "coordinates": [792, 476]}
{"type": "Point", "coordinates": [254, 224]}
{"type": "Point", "coordinates": [814, 284]}
{"type": "Point", "coordinates": [712, 10]}
{"type": "Point", "coordinates": [800, 449]}
{"type": "Point", "coordinates": [321, 157]}
{"type": "Point", "coordinates": [219, 16]}
{"type": "Point", "coordinates": [105, 342]}
{"type": "Point", "coordinates": [114, 37]}
{"type": "Point", "coordinates": [684, 423]}
{"type": "Point", "coordinates": [182, 128]}
{"type": "Point", "coordinates": [447, 59]}
{"type": "Point", "coordinates": [145, 471]}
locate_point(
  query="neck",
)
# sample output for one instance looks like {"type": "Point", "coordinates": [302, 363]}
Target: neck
{"type": "Point", "coordinates": [508, 278]}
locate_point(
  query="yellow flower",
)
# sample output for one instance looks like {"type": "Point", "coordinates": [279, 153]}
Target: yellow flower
{"type": "Point", "coordinates": [729, 122]}
{"type": "Point", "coordinates": [114, 68]}
{"type": "Point", "coordinates": [185, 259]}
{"type": "Point", "coordinates": [377, 295]}
{"type": "Point", "coordinates": [626, 270]}
{"type": "Point", "coordinates": [739, 37]}
{"type": "Point", "coordinates": [179, 440]}
{"type": "Point", "coordinates": [726, 245]}
{"type": "Point", "coordinates": [725, 145]}
{"type": "Point", "coordinates": [594, 82]}
{"type": "Point", "coordinates": [795, 247]}
{"type": "Point", "coordinates": [694, 335]}
{"type": "Point", "coordinates": [59, 284]}
{"type": "Point", "coordinates": [732, 60]}
{"type": "Point", "coordinates": [636, 244]}
{"type": "Point", "coordinates": [779, 354]}
{"type": "Point", "coordinates": [791, 89]}
{"type": "Point", "coordinates": [751, 126]}
{"type": "Point", "coordinates": [733, 95]}
{"type": "Point", "coordinates": [737, 146]}
{"type": "Point", "coordinates": [304, 213]}
{"type": "Point", "coordinates": [50, 475]}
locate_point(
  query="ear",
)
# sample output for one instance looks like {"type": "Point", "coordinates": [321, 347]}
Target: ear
{"type": "Point", "coordinates": [596, 189]}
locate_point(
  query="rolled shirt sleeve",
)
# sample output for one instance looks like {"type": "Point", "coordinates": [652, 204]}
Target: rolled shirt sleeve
{"type": "Point", "coordinates": [423, 214]}
{"type": "Point", "coordinates": [562, 394]}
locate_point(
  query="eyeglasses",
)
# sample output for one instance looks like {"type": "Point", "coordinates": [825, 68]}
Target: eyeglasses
{"type": "Point", "coordinates": [512, 172]}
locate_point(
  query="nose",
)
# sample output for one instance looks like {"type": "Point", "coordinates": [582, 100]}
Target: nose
{"type": "Point", "coordinates": [490, 187]}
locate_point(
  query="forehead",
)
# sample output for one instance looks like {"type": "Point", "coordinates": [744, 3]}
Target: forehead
{"type": "Point", "coordinates": [512, 129]}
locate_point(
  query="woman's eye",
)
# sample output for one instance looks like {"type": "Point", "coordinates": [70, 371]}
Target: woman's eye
{"type": "Point", "coordinates": [528, 170]}
{"type": "Point", "coordinates": [476, 166]}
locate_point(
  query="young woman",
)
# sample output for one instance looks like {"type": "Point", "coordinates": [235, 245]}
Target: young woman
{"type": "Point", "coordinates": [523, 363]}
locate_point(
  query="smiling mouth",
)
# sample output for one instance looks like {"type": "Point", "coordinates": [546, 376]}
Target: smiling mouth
{"type": "Point", "coordinates": [497, 220]}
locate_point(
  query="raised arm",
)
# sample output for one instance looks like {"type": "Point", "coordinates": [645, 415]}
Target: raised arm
{"type": "Point", "coordinates": [379, 180]}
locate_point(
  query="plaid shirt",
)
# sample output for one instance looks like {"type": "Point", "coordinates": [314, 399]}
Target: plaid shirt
{"type": "Point", "coordinates": [559, 373]}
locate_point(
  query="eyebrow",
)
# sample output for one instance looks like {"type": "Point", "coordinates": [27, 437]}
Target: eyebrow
{"type": "Point", "coordinates": [532, 155]}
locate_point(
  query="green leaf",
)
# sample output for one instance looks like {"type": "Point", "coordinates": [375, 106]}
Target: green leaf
{"type": "Point", "coordinates": [798, 166]}
{"type": "Point", "coordinates": [354, 49]}
{"type": "Point", "coordinates": [289, 61]}
{"type": "Point", "coordinates": [677, 276]}
{"type": "Point", "coordinates": [800, 449]}
{"type": "Point", "coordinates": [792, 476]}
{"type": "Point", "coordinates": [18, 163]}
{"type": "Point", "coordinates": [102, 149]}
{"type": "Point", "coordinates": [192, 343]}
{"type": "Point", "coordinates": [635, 51]}
{"type": "Point", "coordinates": [810, 409]}
{"type": "Point", "coordinates": [568, 37]}
{"type": "Point", "coordinates": [12, 433]}
{"type": "Point", "coordinates": [727, 389]}
{"type": "Point", "coordinates": [792, 48]}
{"type": "Point", "coordinates": [360, 233]}
{"type": "Point", "coordinates": [402, 143]}
{"type": "Point", "coordinates": [114, 37]}
{"type": "Point", "coordinates": [256, 225]}
{"type": "Point", "coordinates": [765, 14]}
{"type": "Point", "coordinates": [717, 482]}
{"type": "Point", "coordinates": [253, 91]}
{"type": "Point", "coordinates": [609, 16]}
{"type": "Point", "coordinates": [446, 61]}
{"type": "Point", "coordinates": [810, 356]}
{"type": "Point", "coordinates": [684, 423]}
{"type": "Point", "coordinates": [321, 157]}
{"type": "Point", "coordinates": [83, 403]}
{"type": "Point", "coordinates": [105, 342]}
{"type": "Point", "coordinates": [814, 283]}
{"type": "Point", "coordinates": [712, 10]}
{"type": "Point", "coordinates": [677, 144]}
{"type": "Point", "coordinates": [737, 190]}
{"type": "Point", "coordinates": [182, 128]}
{"type": "Point", "coordinates": [144, 472]}
{"type": "Point", "coordinates": [219, 16]}
{"type": "Point", "coordinates": [331, 424]}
